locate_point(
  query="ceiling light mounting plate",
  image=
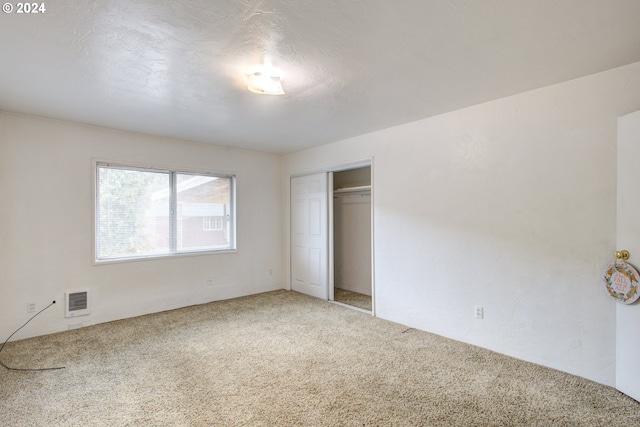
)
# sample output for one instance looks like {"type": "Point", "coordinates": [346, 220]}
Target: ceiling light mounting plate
{"type": "Point", "coordinates": [264, 83]}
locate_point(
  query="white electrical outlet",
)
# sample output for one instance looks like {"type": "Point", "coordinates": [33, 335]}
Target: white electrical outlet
{"type": "Point", "coordinates": [479, 312]}
{"type": "Point", "coordinates": [31, 307]}
{"type": "Point", "coordinates": [209, 281]}
{"type": "Point", "coordinates": [270, 272]}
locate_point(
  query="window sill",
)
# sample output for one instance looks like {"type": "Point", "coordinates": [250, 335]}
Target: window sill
{"type": "Point", "coordinates": [162, 257]}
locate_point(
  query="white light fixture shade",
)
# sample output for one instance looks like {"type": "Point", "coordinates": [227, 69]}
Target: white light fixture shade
{"type": "Point", "coordinates": [265, 84]}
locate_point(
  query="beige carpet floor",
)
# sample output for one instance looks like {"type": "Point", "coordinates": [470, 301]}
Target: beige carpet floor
{"type": "Point", "coordinates": [353, 299]}
{"type": "Point", "coordinates": [284, 359]}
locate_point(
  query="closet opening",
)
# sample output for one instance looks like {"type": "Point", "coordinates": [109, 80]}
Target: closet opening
{"type": "Point", "coordinates": [351, 232]}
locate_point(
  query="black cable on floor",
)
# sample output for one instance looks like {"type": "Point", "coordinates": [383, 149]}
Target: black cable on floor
{"type": "Point", "coordinates": [14, 332]}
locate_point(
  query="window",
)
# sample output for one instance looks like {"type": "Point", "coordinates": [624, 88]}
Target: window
{"type": "Point", "coordinates": [144, 212]}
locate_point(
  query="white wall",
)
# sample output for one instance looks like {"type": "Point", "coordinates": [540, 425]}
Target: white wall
{"type": "Point", "coordinates": [509, 205]}
{"type": "Point", "coordinates": [352, 242]}
{"type": "Point", "coordinates": [46, 208]}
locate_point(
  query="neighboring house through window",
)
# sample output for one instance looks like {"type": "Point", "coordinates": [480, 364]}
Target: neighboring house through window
{"type": "Point", "coordinates": [212, 223]}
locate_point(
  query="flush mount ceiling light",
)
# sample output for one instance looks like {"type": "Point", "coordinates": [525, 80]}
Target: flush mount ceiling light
{"type": "Point", "coordinates": [265, 83]}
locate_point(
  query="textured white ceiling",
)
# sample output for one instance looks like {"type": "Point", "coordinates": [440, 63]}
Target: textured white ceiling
{"type": "Point", "coordinates": [173, 68]}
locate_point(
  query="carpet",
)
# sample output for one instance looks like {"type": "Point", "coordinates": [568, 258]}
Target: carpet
{"type": "Point", "coordinates": [351, 298]}
{"type": "Point", "coordinates": [285, 359]}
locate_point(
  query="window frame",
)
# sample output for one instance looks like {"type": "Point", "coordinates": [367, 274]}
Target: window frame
{"type": "Point", "coordinates": [172, 189]}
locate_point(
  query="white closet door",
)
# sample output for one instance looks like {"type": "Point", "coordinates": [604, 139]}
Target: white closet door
{"type": "Point", "coordinates": [309, 235]}
{"type": "Point", "coordinates": [628, 237]}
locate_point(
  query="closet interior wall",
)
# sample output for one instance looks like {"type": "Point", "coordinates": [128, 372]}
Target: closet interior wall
{"type": "Point", "coordinates": [352, 230]}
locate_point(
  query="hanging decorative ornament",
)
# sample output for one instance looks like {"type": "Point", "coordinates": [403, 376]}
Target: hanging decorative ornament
{"type": "Point", "coordinates": [620, 280]}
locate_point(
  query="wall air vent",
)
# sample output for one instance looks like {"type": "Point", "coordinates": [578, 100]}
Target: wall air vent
{"type": "Point", "coordinates": [76, 303]}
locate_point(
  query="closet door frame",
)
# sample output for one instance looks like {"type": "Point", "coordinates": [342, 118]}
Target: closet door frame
{"type": "Point", "coordinates": [330, 170]}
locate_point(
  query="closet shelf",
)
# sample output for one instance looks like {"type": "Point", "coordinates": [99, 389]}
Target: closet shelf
{"type": "Point", "coordinates": [352, 189]}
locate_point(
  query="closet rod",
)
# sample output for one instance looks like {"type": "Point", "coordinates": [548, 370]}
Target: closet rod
{"type": "Point", "coordinates": [349, 196]}
{"type": "Point", "coordinates": [352, 189]}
